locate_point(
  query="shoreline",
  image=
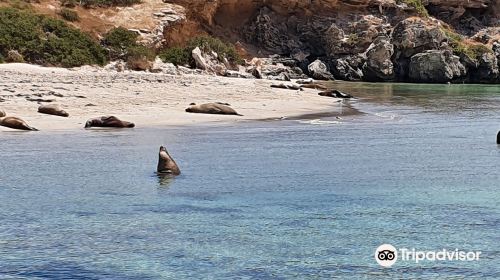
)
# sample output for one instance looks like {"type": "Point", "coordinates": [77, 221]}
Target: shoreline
{"type": "Point", "coordinates": [147, 99]}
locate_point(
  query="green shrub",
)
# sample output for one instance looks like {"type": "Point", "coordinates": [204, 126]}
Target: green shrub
{"type": "Point", "coordinates": [118, 41]}
{"type": "Point", "coordinates": [69, 15]}
{"type": "Point", "coordinates": [353, 39]}
{"type": "Point", "coordinates": [69, 3]}
{"type": "Point", "coordinates": [43, 40]}
{"type": "Point", "coordinates": [182, 56]}
{"type": "Point", "coordinates": [418, 5]}
{"type": "Point", "coordinates": [207, 43]}
{"type": "Point", "coordinates": [177, 56]}
{"type": "Point", "coordinates": [460, 47]}
{"type": "Point", "coordinates": [108, 3]}
{"type": "Point", "coordinates": [139, 58]}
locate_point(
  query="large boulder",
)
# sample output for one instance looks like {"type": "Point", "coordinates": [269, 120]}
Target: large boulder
{"type": "Point", "coordinates": [208, 62]}
{"type": "Point", "coordinates": [378, 65]}
{"type": "Point", "coordinates": [348, 68]}
{"type": "Point", "coordinates": [415, 35]}
{"type": "Point", "coordinates": [435, 66]}
{"type": "Point", "coordinates": [412, 36]}
{"type": "Point", "coordinates": [487, 70]}
{"type": "Point", "coordinates": [319, 71]}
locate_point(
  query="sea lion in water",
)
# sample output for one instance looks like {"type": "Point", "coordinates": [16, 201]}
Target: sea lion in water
{"type": "Point", "coordinates": [2, 113]}
{"type": "Point", "coordinates": [498, 138]}
{"type": "Point", "coordinates": [53, 109]}
{"type": "Point", "coordinates": [166, 164]}
{"type": "Point", "coordinates": [16, 123]}
{"type": "Point", "coordinates": [212, 108]}
{"type": "Point", "coordinates": [335, 93]}
{"type": "Point", "coordinates": [108, 121]}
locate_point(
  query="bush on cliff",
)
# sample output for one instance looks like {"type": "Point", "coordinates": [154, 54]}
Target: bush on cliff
{"type": "Point", "coordinates": [182, 56]}
{"type": "Point", "coordinates": [43, 40]}
{"type": "Point", "coordinates": [108, 3]}
{"type": "Point", "coordinates": [462, 48]}
{"type": "Point", "coordinates": [118, 41]}
{"type": "Point", "coordinates": [176, 55]}
{"type": "Point", "coordinates": [139, 58]}
{"type": "Point", "coordinates": [418, 5]}
{"type": "Point", "coordinates": [69, 15]}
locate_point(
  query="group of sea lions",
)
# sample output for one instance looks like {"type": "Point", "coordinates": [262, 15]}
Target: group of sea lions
{"type": "Point", "coordinates": [109, 121]}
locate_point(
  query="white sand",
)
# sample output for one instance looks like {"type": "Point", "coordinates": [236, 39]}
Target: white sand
{"type": "Point", "coordinates": [146, 99]}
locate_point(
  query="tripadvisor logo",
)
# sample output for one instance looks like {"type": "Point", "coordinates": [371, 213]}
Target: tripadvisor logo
{"type": "Point", "coordinates": [386, 255]}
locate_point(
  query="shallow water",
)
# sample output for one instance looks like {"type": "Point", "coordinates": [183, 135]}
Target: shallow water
{"type": "Point", "coordinates": [297, 199]}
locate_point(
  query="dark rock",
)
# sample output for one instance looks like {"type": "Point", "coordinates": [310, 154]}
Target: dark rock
{"type": "Point", "coordinates": [435, 66]}
{"type": "Point", "coordinates": [347, 68]}
{"type": "Point", "coordinates": [378, 65]}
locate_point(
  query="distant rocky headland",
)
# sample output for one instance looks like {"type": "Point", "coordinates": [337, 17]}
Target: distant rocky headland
{"type": "Point", "coordinates": [424, 41]}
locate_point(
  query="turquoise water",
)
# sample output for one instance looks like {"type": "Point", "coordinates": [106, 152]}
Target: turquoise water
{"type": "Point", "coordinates": [266, 200]}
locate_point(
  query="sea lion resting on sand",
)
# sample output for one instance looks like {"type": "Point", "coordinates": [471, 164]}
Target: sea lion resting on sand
{"type": "Point", "coordinates": [52, 109]}
{"type": "Point", "coordinates": [166, 164]}
{"type": "Point", "coordinates": [287, 86]}
{"type": "Point", "coordinates": [2, 113]}
{"type": "Point", "coordinates": [16, 123]}
{"type": "Point", "coordinates": [314, 86]}
{"type": "Point", "coordinates": [212, 108]}
{"type": "Point", "coordinates": [335, 93]}
{"type": "Point", "coordinates": [108, 121]}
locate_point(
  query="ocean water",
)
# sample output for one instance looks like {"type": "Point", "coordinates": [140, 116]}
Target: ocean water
{"type": "Point", "coordinates": [418, 167]}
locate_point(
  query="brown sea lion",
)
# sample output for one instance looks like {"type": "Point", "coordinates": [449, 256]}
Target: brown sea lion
{"type": "Point", "coordinates": [335, 93]}
{"type": "Point", "coordinates": [287, 86]}
{"type": "Point", "coordinates": [314, 86]}
{"type": "Point", "coordinates": [16, 123]}
{"type": "Point", "coordinates": [212, 108]}
{"type": "Point", "coordinates": [166, 164]}
{"type": "Point", "coordinates": [108, 121]}
{"type": "Point", "coordinates": [53, 109]}
{"type": "Point", "coordinates": [2, 113]}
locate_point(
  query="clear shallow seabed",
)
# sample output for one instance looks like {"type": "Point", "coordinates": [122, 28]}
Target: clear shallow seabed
{"type": "Point", "coordinates": [307, 199]}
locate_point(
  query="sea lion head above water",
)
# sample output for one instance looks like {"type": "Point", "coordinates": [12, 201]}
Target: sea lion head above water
{"type": "Point", "coordinates": [498, 138]}
{"type": "Point", "coordinates": [166, 164]}
{"type": "Point", "coordinates": [212, 108]}
{"type": "Point", "coordinates": [16, 123]}
{"type": "Point", "coordinates": [108, 121]}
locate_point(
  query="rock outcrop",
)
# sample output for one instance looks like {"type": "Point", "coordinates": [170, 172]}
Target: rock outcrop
{"type": "Point", "coordinates": [435, 66]}
{"type": "Point", "coordinates": [378, 65]}
{"type": "Point", "coordinates": [319, 71]}
{"type": "Point", "coordinates": [368, 40]}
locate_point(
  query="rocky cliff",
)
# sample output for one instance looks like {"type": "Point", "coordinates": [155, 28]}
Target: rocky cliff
{"type": "Point", "coordinates": [373, 40]}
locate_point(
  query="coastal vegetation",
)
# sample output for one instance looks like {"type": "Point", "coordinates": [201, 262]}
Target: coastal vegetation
{"type": "Point", "coordinates": [461, 47]}
{"type": "Point", "coordinates": [182, 56]}
{"type": "Point", "coordinates": [69, 15]}
{"type": "Point", "coordinates": [122, 44]}
{"type": "Point", "coordinates": [108, 3]}
{"type": "Point", "coordinates": [418, 5]}
{"type": "Point", "coordinates": [43, 40]}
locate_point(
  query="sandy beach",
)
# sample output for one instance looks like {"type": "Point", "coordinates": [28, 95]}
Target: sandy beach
{"type": "Point", "coordinates": [148, 99]}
